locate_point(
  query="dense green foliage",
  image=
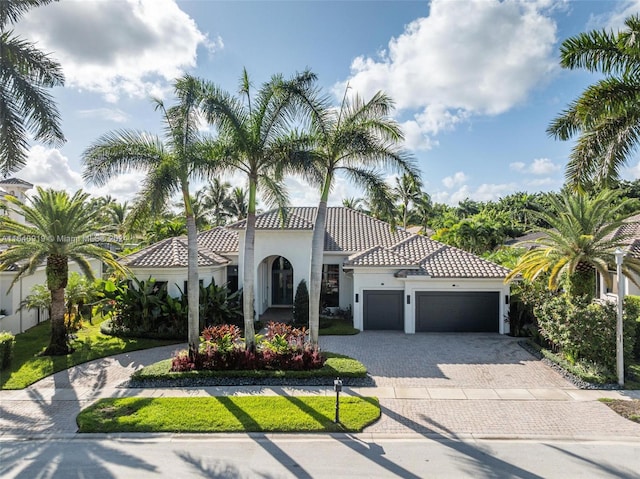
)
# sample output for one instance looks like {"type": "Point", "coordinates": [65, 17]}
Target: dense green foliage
{"type": "Point", "coordinates": [584, 330]}
{"type": "Point", "coordinates": [57, 228]}
{"type": "Point", "coordinates": [301, 304]}
{"type": "Point", "coordinates": [140, 308]}
{"type": "Point", "coordinates": [221, 348]}
{"type": "Point", "coordinates": [335, 365]}
{"type": "Point", "coordinates": [579, 243]}
{"type": "Point", "coordinates": [7, 342]}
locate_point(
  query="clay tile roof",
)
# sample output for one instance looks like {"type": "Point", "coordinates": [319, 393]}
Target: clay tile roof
{"type": "Point", "coordinates": [370, 242]}
{"type": "Point", "coordinates": [220, 239]}
{"type": "Point", "coordinates": [15, 181]}
{"type": "Point", "coordinates": [379, 256]}
{"type": "Point", "coordinates": [628, 235]}
{"type": "Point", "coordinates": [417, 247]}
{"type": "Point", "coordinates": [450, 262]}
{"type": "Point", "coordinates": [301, 218]}
{"type": "Point", "coordinates": [351, 231]}
{"type": "Point", "coordinates": [171, 253]}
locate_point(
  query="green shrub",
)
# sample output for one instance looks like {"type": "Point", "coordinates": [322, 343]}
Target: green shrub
{"type": "Point", "coordinates": [632, 309]}
{"type": "Point", "coordinates": [7, 341]}
{"type": "Point", "coordinates": [218, 305]}
{"type": "Point", "coordinates": [301, 304]}
{"type": "Point", "coordinates": [584, 330]}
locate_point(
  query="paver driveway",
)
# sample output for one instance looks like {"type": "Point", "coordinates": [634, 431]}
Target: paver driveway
{"type": "Point", "coordinates": [437, 360]}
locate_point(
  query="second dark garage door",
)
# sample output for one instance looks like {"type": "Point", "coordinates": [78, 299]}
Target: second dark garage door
{"type": "Point", "coordinates": [383, 309]}
{"type": "Point", "coordinates": [440, 311]}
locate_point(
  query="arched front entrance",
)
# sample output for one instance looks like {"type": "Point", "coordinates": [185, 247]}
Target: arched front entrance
{"type": "Point", "coordinates": [281, 282]}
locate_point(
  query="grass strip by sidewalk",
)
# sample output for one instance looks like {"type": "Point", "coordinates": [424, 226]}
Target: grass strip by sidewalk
{"type": "Point", "coordinates": [335, 365]}
{"type": "Point", "coordinates": [229, 414]}
{"type": "Point", "coordinates": [27, 366]}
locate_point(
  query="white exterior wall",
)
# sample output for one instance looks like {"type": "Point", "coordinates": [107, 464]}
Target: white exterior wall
{"type": "Point", "coordinates": [295, 246]}
{"type": "Point", "coordinates": [371, 279]}
{"type": "Point", "coordinates": [19, 321]}
{"type": "Point", "coordinates": [454, 285]}
{"type": "Point", "coordinates": [383, 279]}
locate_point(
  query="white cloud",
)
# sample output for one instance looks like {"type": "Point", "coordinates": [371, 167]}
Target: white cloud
{"type": "Point", "coordinates": [484, 192]}
{"type": "Point", "coordinates": [614, 19]}
{"type": "Point", "coordinates": [128, 47]}
{"type": "Point", "coordinates": [49, 168]}
{"type": "Point", "coordinates": [112, 114]}
{"type": "Point", "coordinates": [457, 179]}
{"type": "Point", "coordinates": [543, 166]}
{"type": "Point", "coordinates": [477, 57]}
{"type": "Point", "coordinates": [539, 166]}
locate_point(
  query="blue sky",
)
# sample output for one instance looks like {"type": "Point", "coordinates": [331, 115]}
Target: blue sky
{"type": "Point", "coordinates": [475, 82]}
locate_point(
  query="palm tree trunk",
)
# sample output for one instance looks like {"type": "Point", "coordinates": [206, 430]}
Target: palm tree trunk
{"type": "Point", "coordinates": [58, 344]}
{"type": "Point", "coordinates": [317, 255]}
{"type": "Point", "coordinates": [57, 276]}
{"type": "Point", "coordinates": [248, 270]}
{"type": "Point", "coordinates": [193, 286]}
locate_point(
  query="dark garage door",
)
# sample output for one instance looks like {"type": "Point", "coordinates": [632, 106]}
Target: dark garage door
{"type": "Point", "coordinates": [383, 310]}
{"type": "Point", "coordinates": [457, 311]}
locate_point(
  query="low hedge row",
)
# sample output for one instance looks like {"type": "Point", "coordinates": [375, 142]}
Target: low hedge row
{"type": "Point", "coordinates": [7, 341]}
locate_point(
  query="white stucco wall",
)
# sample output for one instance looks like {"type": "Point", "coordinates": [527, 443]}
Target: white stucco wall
{"type": "Point", "coordinates": [19, 321]}
{"type": "Point", "coordinates": [295, 246]}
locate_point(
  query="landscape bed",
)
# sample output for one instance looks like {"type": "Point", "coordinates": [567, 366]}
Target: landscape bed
{"type": "Point", "coordinates": [351, 371]}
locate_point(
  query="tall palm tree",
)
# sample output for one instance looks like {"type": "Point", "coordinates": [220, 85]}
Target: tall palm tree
{"type": "Point", "coordinates": [217, 201]}
{"type": "Point", "coordinates": [353, 203]}
{"type": "Point", "coordinates": [606, 116]}
{"type": "Point", "coordinates": [169, 163]}
{"type": "Point", "coordinates": [253, 140]}
{"type": "Point", "coordinates": [117, 217]}
{"type": "Point", "coordinates": [25, 104]}
{"type": "Point", "coordinates": [580, 235]}
{"type": "Point", "coordinates": [408, 189]}
{"type": "Point", "coordinates": [58, 228]}
{"type": "Point", "coordinates": [238, 203]}
{"type": "Point", "coordinates": [357, 140]}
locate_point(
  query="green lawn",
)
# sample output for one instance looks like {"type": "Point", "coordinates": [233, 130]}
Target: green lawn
{"type": "Point", "coordinates": [27, 366]}
{"type": "Point", "coordinates": [229, 414]}
{"type": "Point", "coordinates": [335, 365]}
{"type": "Point", "coordinates": [337, 327]}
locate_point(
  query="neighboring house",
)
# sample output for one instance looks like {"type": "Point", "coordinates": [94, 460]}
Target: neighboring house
{"type": "Point", "coordinates": [14, 187]}
{"type": "Point", "coordinates": [629, 232]}
{"type": "Point", "coordinates": [391, 279]}
{"type": "Point", "coordinates": [12, 318]}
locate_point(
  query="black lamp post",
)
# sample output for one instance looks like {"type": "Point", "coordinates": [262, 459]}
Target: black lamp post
{"type": "Point", "coordinates": [337, 387]}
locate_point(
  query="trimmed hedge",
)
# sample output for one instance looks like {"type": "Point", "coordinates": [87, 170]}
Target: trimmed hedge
{"type": "Point", "coordinates": [7, 341]}
{"type": "Point", "coordinates": [584, 330]}
{"type": "Point", "coordinates": [632, 309]}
